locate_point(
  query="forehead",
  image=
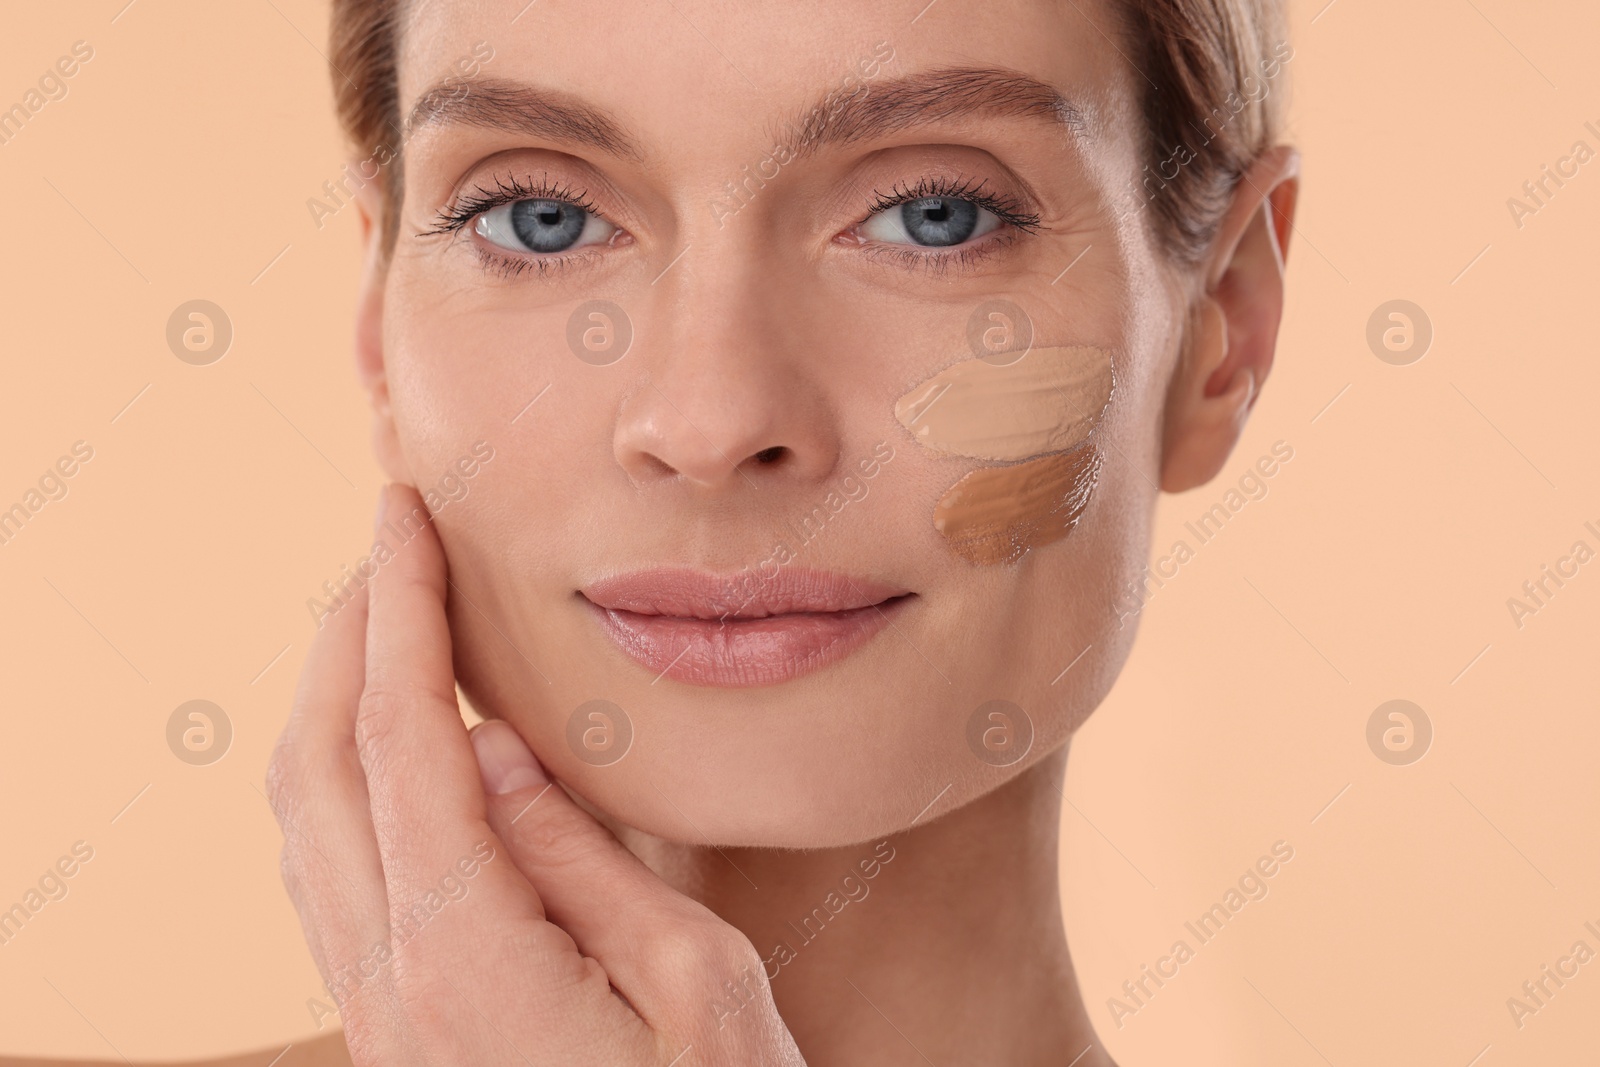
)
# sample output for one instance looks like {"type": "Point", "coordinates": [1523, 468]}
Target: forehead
{"type": "Point", "coordinates": [711, 69]}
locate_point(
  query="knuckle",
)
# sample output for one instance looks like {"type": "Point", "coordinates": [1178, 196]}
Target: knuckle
{"type": "Point", "coordinates": [283, 774]}
{"type": "Point", "coordinates": [377, 722]}
{"type": "Point", "coordinates": [557, 841]}
{"type": "Point", "coordinates": [381, 713]}
{"type": "Point", "coordinates": [302, 869]}
{"type": "Point", "coordinates": [289, 871]}
{"type": "Point", "coordinates": [299, 777]}
{"type": "Point", "coordinates": [694, 955]}
{"type": "Point", "coordinates": [376, 711]}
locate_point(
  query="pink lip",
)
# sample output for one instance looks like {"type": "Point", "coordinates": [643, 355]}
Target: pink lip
{"type": "Point", "coordinates": [740, 630]}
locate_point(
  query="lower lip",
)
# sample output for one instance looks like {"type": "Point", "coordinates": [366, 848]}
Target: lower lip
{"type": "Point", "coordinates": [736, 653]}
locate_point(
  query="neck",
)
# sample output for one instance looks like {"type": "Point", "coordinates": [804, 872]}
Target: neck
{"type": "Point", "coordinates": [943, 943]}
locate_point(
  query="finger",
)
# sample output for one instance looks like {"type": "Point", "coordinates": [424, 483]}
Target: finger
{"type": "Point", "coordinates": [662, 950]}
{"type": "Point", "coordinates": [316, 788]}
{"type": "Point", "coordinates": [459, 910]}
{"type": "Point", "coordinates": [427, 805]}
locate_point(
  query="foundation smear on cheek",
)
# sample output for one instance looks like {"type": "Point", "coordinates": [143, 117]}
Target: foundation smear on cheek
{"type": "Point", "coordinates": [996, 514]}
{"type": "Point", "coordinates": [1040, 410]}
{"type": "Point", "coordinates": [1047, 401]}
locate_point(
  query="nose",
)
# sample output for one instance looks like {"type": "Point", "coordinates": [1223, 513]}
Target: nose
{"type": "Point", "coordinates": [729, 400]}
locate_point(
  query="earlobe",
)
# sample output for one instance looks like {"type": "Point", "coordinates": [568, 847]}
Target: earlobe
{"type": "Point", "coordinates": [371, 367]}
{"type": "Point", "coordinates": [1232, 328]}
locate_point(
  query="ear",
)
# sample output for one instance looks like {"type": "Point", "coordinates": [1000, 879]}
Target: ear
{"type": "Point", "coordinates": [1232, 326]}
{"type": "Point", "coordinates": [369, 334]}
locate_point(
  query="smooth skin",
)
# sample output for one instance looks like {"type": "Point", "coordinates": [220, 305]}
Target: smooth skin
{"type": "Point", "coordinates": [779, 331]}
{"type": "Point", "coordinates": [566, 949]}
{"type": "Point", "coordinates": [605, 928]}
{"type": "Point", "coordinates": [377, 769]}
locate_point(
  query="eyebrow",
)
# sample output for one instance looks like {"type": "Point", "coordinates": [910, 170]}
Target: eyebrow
{"type": "Point", "coordinates": [498, 104]}
{"type": "Point", "coordinates": [925, 98]}
{"type": "Point", "coordinates": [919, 99]}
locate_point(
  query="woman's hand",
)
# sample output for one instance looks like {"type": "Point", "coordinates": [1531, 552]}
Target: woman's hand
{"type": "Point", "coordinates": [460, 906]}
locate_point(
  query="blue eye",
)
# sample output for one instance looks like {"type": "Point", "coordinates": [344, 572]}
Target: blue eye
{"type": "Point", "coordinates": [543, 226]}
{"type": "Point", "coordinates": [930, 221]}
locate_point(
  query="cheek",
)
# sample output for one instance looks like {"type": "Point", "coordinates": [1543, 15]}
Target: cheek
{"type": "Point", "coordinates": [1036, 414]}
{"type": "Point", "coordinates": [461, 373]}
{"type": "Point", "coordinates": [997, 514]}
{"type": "Point", "coordinates": [1048, 400]}
{"type": "Point", "coordinates": [461, 379]}
{"type": "Point", "coordinates": [1051, 471]}
{"type": "Point", "coordinates": [448, 375]}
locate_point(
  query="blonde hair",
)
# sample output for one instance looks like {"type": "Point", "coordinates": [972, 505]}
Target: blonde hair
{"type": "Point", "coordinates": [1213, 101]}
{"type": "Point", "coordinates": [1209, 71]}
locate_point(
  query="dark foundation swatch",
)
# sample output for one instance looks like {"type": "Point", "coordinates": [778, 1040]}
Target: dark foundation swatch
{"type": "Point", "coordinates": [996, 514]}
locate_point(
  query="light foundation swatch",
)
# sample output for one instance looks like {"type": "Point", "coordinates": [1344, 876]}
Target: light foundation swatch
{"type": "Point", "coordinates": [1047, 401]}
{"type": "Point", "coordinates": [1036, 416]}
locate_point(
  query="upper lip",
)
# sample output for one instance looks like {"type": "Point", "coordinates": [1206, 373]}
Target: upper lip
{"type": "Point", "coordinates": [750, 594]}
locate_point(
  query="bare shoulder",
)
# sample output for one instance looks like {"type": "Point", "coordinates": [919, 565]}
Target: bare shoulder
{"type": "Point", "coordinates": [326, 1051]}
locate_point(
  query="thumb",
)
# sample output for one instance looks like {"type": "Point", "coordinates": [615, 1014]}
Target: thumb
{"type": "Point", "coordinates": [663, 951]}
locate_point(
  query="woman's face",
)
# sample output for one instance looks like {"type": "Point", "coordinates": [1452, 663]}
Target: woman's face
{"type": "Point", "coordinates": [698, 356]}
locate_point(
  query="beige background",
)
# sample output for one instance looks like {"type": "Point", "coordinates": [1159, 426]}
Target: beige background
{"type": "Point", "coordinates": [1378, 567]}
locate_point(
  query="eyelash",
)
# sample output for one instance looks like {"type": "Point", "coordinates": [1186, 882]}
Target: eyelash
{"type": "Point", "coordinates": [464, 210]}
{"type": "Point", "coordinates": [1009, 210]}
{"type": "Point", "coordinates": [461, 212]}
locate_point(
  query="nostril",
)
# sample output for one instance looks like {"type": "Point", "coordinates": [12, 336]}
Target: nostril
{"type": "Point", "coordinates": [770, 455]}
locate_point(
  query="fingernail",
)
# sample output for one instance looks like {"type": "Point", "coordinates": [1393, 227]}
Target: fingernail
{"type": "Point", "coordinates": [504, 760]}
{"type": "Point", "coordinates": [383, 498]}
